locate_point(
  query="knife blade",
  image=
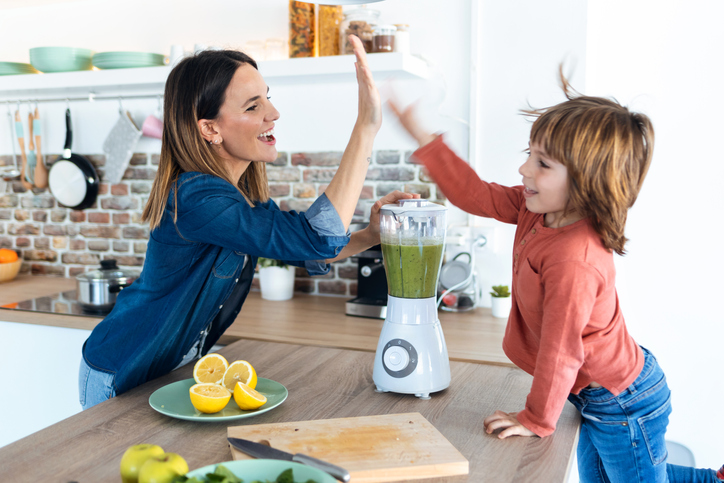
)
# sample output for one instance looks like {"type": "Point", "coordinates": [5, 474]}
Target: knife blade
{"type": "Point", "coordinates": [259, 450]}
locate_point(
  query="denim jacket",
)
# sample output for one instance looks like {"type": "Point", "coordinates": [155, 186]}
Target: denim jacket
{"type": "Point", "coordinates": [191, 268]}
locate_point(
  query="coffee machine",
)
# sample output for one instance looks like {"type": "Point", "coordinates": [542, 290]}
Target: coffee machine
{"type": "Point", "coordinates": [371, 300]}
{"type": "Point", "coordinates": [411, 355]}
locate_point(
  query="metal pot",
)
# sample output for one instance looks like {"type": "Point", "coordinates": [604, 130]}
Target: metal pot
{"type": "Point", "coordinates": [97, 290]}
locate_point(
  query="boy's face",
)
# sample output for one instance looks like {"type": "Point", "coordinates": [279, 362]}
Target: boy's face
{"type": "Point", "coordinates": [546, 186]}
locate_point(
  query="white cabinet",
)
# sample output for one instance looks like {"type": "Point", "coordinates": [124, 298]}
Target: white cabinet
{"type": "Point", "coordinates": [39, 374]}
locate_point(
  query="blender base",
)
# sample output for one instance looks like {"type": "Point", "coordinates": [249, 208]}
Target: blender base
{"type": "Point", "coordinates": [424, 396]}
{"type": "Point", "coordinates": [411, 355]}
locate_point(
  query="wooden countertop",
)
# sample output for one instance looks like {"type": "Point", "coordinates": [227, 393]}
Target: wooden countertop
{"type": "Point", "coordinates": [323, 383]}
{"type": "Point", "coordinates": [474, 336]}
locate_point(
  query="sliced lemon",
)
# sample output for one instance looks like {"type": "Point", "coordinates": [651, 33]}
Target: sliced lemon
{"type": "Point", "coordinates": [210, 368]}
{"type": "Point", "coordinates": [248, 398]}
{"type": "Point", "coordinates": [239, 371]}
{"type": "Point", "coordinates": [209, 397]}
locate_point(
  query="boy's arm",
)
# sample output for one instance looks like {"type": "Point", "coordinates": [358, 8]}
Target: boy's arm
{"type": "Point", "coordinates": [569, 295]}
{"type": "Point", "coordinates": [464, 188]}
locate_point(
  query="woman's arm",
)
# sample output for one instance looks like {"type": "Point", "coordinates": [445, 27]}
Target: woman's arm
{"type": "Point", "coordinates": [370, 236]}
{"type": "Point", "coordinates": [344, 189]}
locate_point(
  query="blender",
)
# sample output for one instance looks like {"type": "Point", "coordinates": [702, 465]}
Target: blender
{"type": "Point", "coordinates": [411, 355]}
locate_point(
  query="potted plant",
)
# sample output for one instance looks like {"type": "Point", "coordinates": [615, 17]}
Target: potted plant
{"type": "Point", "coordinates": [501, 301]}
{"type": "Point", "coordinates": [276, 279]}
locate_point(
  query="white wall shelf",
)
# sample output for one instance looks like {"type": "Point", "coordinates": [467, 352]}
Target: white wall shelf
{"type": "Point", "coordinates": [151, 80]}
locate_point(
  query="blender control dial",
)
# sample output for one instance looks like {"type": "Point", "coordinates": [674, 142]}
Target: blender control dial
{"type": "Point", "coordinates": [399, 358]}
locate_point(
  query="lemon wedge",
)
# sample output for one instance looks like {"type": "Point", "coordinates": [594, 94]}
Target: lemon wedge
{"type": "Point", "coordinates": [209, 398]}
{"type": "Point", "coordinates": [239, 371]}
{"type": "Point", "coordinates": [248, 398]}
{"type": "Point", "coordinates": [210, 368]}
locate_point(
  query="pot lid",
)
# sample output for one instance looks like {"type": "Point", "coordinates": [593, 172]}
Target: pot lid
{"type": "Point", "coordinates": [109, 271]}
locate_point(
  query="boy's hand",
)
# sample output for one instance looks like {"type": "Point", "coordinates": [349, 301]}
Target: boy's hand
{"type": "Point", "coordinates": [508, 423]}
{"type": "Point", "coordinates": [409, 121]}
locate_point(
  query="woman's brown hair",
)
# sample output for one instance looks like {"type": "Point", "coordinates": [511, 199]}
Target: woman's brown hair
{"type": "Point", "coordinates": [607, 151]}
{"type": "Point", "coordinates": [196, 89]}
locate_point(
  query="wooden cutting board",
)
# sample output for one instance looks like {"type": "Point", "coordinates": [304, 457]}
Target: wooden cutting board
{"type": "Point", "coordinates": [373, 449]}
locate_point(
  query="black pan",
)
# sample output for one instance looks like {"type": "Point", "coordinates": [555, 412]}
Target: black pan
{"type": "Point", "coordinates": [72, 178]}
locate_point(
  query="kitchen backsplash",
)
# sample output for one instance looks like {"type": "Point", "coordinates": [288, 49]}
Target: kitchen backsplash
{"type": "Point", "coordinates": [54, 240]}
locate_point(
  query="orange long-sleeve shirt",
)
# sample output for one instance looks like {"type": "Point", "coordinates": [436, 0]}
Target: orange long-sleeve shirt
{"type": "Point", "coordinates": [565, 327]}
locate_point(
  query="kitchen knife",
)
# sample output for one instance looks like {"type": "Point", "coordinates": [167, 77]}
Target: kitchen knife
{"type": "Point", "coordinates": [259, 450]}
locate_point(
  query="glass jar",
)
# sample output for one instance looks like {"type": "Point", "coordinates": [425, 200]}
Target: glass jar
{"type": "Point", "coordinates": [402, 38]}
{"type": "Point", "coordinates": [383, 39]}
{"type": "Point", "coordinates": [359, 22]}
{"type": "Point", "coordinates": [329, 18]}
{"type": "Point", "coordinates": [301, 29]}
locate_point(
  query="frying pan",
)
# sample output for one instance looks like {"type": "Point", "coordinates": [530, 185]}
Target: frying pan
{"type": "Point", "coordinates": [72, 178]}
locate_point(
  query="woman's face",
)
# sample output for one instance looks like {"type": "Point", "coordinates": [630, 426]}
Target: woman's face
{"type": "Point", "coordinates": [546, 187]}
{"type": "Point", "coordinates": [245, 123]}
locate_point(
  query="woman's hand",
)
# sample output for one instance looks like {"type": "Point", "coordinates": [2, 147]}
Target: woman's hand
{"type": "Point", "coordinates": [394, 197]}
{"type": "Point", "coordinates": [369, 111]}
{"type": "Point", "coordinates": [508, 423]}
{"type": "Point", "coordinates": [409, 121]}
{"type": "Point", "coordinates": [370, 236]}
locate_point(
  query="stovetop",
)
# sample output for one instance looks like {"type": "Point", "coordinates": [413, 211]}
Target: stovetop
{"type": "Point", "coordinates": [65, 303]}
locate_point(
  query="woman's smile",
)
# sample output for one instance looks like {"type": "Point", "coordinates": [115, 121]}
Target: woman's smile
{"type": "Point", "coordinates": [267, 137]}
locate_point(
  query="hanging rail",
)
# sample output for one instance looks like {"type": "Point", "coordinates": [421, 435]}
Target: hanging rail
{"type": "Point", "coordinates": [90, 98]}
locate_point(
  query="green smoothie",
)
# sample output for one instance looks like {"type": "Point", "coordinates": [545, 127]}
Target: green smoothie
{"type": "Point", "coordinates": [412, 269]}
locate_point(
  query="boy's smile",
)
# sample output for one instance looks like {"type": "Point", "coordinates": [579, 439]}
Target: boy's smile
{"type": "Point", "coordinates": [546, 187]}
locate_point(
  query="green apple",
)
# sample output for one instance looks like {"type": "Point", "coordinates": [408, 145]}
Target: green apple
{"type": "Point", "coordinates": [133, 459]}
{"type": "Point", "coordinates": [162, 469]}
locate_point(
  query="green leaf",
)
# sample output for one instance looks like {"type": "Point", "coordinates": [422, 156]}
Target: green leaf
{"type": "Point", "coordinates": [285, 476]}
{"type": "Point", "coordinates": [500, 291]}
{"type": "Point", "coordinates": [214, 478]}
{"type": "Point", "coordinates": [270, 262]}
{"type": "Point", "coordinates": [227, 474]}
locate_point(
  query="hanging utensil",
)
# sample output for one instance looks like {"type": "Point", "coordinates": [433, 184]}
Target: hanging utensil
{"type": "Point", "coordinates": [41, 172]}
{"type": "Point", "coordinates": [21, 141]}
{"type": "Point", "coordinates": [72, 178]}
{"type": "Point", "coordinates": [32, 157]}
{"type": "Point", "coordinates": [10, 173]}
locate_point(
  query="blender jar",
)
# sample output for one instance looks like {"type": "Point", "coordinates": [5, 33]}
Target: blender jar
{"type": "Point", "coordinates": [412, 234]}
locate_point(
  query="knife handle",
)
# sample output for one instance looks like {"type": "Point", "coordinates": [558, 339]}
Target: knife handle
{"type": "Point", "coordinates": [338, 472]}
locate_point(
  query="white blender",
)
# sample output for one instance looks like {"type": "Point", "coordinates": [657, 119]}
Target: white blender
{"type": "Point", "coordinates": [411, 354]}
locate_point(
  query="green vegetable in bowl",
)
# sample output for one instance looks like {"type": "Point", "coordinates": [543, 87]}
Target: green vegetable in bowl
{"type": "Point", "coordinates": [224, 475]}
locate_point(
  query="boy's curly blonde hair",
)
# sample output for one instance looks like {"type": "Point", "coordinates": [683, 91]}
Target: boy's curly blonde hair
{"type": "Point", "coordinates": [607, 151]}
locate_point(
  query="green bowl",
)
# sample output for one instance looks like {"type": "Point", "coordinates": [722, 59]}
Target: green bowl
{"type": "Point", "coordinates": [61, 59]}
{"type": "Point", "coordinates": [261, 469]}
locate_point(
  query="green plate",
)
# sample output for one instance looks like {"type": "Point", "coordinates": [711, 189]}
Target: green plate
{"type": "Point", "coordinates": [173, 400]}
{"type": "Point", "coordinates": [124, 60]}
{"type": "Point", "coordinates": [250, 470]}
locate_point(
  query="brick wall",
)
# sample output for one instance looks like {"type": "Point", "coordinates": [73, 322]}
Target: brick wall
{"type": "Point", "coordinates": [54, 240]}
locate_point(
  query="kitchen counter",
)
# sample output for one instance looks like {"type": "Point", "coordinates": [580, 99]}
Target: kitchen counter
{"type": "Point", "coordinates": [474, 336]}
{"type": "Point", "coordinates": [323, 383]}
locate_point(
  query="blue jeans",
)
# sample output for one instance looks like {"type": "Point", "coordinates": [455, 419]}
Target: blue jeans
{"type": "Point", "coordinates": [622, 437]}
{"type": "Point", "coordinates": [94, 386]}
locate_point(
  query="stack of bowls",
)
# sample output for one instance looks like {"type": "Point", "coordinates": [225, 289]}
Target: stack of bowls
{"type": "Point", "coordinates": [61, 59]}
{"type": "Point", "coordinates": [125, 60]}
{"type": "Point", "coordinates": [15, 68]}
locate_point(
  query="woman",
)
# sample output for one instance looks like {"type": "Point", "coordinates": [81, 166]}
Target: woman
{"type": "Point", "coordinates": [211, 217]}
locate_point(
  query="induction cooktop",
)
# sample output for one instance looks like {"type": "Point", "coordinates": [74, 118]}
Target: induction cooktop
{"type": "Point", "coordinates": [64, 303]}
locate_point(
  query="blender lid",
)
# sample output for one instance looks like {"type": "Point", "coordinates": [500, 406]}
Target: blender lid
{"type": "Point", "coordinates": [415, 206]}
